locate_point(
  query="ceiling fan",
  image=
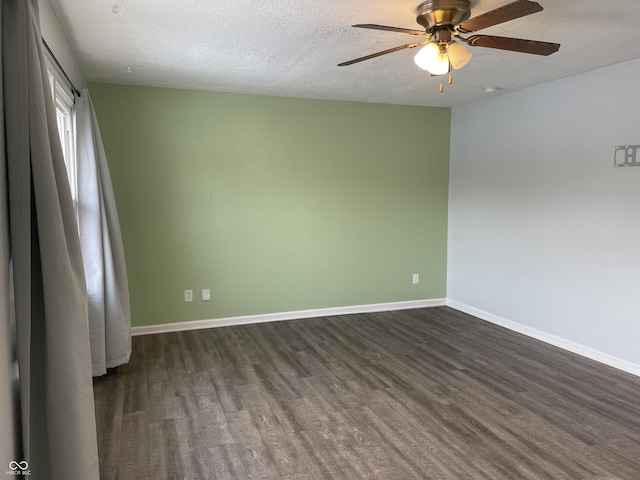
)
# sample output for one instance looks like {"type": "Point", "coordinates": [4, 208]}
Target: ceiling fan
{"type": "Point", "coordinates": [447, 25]}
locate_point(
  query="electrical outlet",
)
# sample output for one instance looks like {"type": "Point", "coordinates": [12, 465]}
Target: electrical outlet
{"type": "Point", "coordinates": [416, 278]}
{"type": "Point", "coordinates": [188, 295]}
{"type": "Point", "coordinates": [206, 294]}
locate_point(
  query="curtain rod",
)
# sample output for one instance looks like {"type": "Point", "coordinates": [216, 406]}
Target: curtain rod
{"type": "Point", "coordinates": [74, 90]}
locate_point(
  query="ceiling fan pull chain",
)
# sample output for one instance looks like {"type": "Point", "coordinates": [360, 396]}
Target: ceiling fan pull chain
{"type": "Point", "coordinates": [450, 79]}
{"type": "Point", "coordinates": [441, 87]}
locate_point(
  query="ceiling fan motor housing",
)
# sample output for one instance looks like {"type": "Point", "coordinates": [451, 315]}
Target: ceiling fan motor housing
{"type": "Point", "coordinates": [436, 13]}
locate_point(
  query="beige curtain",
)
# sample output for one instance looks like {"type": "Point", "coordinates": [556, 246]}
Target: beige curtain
{"type": "Point", "coordinates": [56, 396]}
{"type": "Point", "coordinates": [102, 250]}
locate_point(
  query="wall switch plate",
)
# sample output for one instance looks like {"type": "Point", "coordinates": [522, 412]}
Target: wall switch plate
{"type": "Point", "coordinates": [188, 295]}
{"type": "Point", "coordinates": [627, 156]}
{"type": "Point", "coordinates": [206, 294]}
{"type": "Point", "coordinates": [416, 278]}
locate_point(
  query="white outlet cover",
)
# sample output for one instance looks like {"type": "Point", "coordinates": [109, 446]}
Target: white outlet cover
{"type": "Point", "coordinates": [206, 294]}
{"type": "Point", "coordinates": [188, 295]}
{"type": "Point", "coordinates": [416, 278]}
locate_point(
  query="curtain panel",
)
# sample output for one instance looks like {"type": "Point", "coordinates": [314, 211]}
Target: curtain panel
{"type": "Point", "coordinates": [51, 312]}
{"type": "Point", "coordinates": [102, 249]}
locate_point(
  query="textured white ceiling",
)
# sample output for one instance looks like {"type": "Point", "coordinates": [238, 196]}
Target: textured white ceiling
{"type": "Point", "coordinates": [291, 48]}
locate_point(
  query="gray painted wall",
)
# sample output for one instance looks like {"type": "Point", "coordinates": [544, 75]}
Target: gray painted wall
{"type": "Point", "coordinates": [543, 230]}
{"type": "Point", "coordinates": [59, 44]}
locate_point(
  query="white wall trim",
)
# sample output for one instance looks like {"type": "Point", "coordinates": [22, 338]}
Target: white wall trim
{"type": "Point", "coordinates": [560, 342]}
{"type": "Point", "coordinates": [277, 317]}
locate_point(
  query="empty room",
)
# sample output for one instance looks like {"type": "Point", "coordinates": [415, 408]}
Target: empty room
{"type": "Point", "coordinates": [334, 240]}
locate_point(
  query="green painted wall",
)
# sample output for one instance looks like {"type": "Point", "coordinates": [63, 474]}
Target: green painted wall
{"type": "Point", "coordinates": [276, 204]}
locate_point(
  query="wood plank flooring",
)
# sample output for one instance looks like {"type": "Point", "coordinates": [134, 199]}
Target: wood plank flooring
{"type": "Point", "coordinates": [419, 394]}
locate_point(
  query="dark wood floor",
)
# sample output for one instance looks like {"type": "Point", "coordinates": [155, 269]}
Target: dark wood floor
{"type": "Point", "coordinates": [429, 394]}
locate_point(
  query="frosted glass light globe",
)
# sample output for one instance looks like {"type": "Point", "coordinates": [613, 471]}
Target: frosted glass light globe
{"type": "Point", "coordinates": [431, 58]}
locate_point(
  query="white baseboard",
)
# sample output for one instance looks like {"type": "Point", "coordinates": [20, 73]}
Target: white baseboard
{"type": "Point", "coordinates": [560, 342]}
{"type": "Point", "coordinates": [277, 317]}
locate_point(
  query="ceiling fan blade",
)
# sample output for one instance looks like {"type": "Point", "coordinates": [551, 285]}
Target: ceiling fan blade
{"type": "Point", "coordinates": [511, 11]}
{"type": "Point", "coordinates": [514, 44]}
{"type": "Point", "coordinates": [372, 26]}
{"type": "Point", "coordinates": [378, 54]}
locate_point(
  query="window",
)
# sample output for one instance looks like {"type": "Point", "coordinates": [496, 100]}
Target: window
{"type": "Point", "coordinates": [64, 103]}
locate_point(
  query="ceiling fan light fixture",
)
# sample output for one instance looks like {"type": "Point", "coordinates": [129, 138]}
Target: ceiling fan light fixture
{"type": "Point", "coordinates": [426, 56]}
{"type": "Point", "coordinates": [459, 55]}
{"type": "Point", "coordinates": [433, 58]}
{"type": "Point", "coordinates": [444, 21]}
